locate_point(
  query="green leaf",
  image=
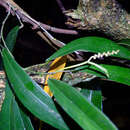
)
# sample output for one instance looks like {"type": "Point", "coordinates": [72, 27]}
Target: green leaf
{"type": "Point", "coordinates": [94, 96]}
{"type": "Point", "coordinates": [31, 94]}
{"type": "Point", "coordinates": [10, 116]}
{"type": "Point", "coordinates": [11, 38]}
{"type": "Point", "coordinates": [125, 43]}
{"type": "Point", "coordinates": [92, 44]}
{"type": "Point", "coordinates": [5, 112]}
{"type": "Point", "coordinates": [16, 121]}
{"type": "Point", "coordinates": [9, 105]}
{"type": "Point", "coordinates": [116, 73]}
{"type": "Point", "coordinates": [26, 120]}
{"type": "Point", "coordinates": [80, 109]}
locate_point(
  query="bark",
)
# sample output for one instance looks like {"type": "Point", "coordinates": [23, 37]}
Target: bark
{"type": "Point", "coordinates": [106, 16]}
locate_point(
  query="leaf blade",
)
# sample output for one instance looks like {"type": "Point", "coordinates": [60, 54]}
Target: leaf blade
{"type": "Point", "coordinates": [11, 109]}
{"type": "Point", "coordinates": [94, 96]}
{"type": "Point", "coordinates": [5, 112]}
{"type": "Point", "coordinates": [116, 73]}
{"type": "Point", "coordinates": [30, 94]}
{"type": "Point", "coordinates": [26, 120]}
{"type": "Point", "coordinates": [11, 38]}
{"type": "Point", "coordinates": [81, 110]}
{"type": "Point", "coordinates": [16, 120]}
{"type": "Point", "coordinates": [92, 44]}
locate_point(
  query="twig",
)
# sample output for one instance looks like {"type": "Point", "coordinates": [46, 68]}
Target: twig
{"type": "Point", "coordinates": [20, 13]}
{"type": "Point", "coordinates": [23, 15]}
{"type": "Point", "coordinates": [59, 30]}
{"type": "Point", "coordinates": [99, 55]}
{"type": "Point", "coordinates": [2, 27]}
{"type": "Point", "coordinates": [61, 6]}
{"type": "Point", "coordinates": [21, 24]}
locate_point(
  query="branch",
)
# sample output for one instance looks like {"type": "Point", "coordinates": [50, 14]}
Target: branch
{"type": "Point", "coordinates": [106, 16]}
{"type": "Point", "coordinates": [23, 15]}
{"type": "Point", "coordinates": [58, 30]}
{"type": "Point", "coordinates": [20, 13]}
{"type": "Point", "coordinates": [61, 6]}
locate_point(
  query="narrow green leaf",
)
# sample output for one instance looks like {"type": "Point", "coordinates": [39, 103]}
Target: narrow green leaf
{"type": "Point", "coordinates": [97, 98]}
{"type": "Point", "coordinates": [94, 96]}
{"type": "Point", "coordinates": [16, 121]}
{"type": "Point", "coordinates": [125, 43]}
{"type": "Point", "coordinates": [116, 73]}
{"type": "Point", "coordinates": [5, 112]}
{"type": "Point", "coordinates": [11, 38]}
{"type": "Point", "coordinates": [10, 115]}
{"type": "Point", "coordinates": [80, 109]}
{"type": "Point", "coordinates": [31, 94]}
{"type": "Point", "coordinates": [92, 44]}
{"type": "Point", "coordinates": [26, 120]}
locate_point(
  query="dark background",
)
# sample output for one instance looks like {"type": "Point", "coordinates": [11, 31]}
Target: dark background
{"type": "Point", "coordinates": [30, 49]}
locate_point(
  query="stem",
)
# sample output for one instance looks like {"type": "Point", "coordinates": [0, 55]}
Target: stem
{"type": "Point", "coordinates": [23, 16]}
{"type": "Point", "coordinates": [83, 63]}
{"type": "Point", "coordinates": [2, 27]}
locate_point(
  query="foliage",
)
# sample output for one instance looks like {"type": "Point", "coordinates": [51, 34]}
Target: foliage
{"type": "Point", "coordinates": [24, 95]}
